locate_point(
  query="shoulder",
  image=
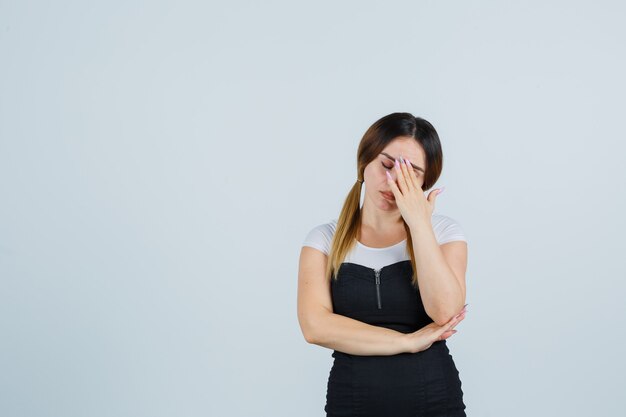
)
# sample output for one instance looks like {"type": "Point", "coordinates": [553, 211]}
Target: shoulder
{"type": "Point", "coordinates": [447, 229]}
{"type": "Point", "coordinates": [321, 236]}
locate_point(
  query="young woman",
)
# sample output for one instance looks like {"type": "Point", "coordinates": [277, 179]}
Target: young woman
{"type": "Point", "coordinates": [384, 285]}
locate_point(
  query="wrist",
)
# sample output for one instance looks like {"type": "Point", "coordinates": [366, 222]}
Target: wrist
{"type": "Point", "coordinates": [405, 344]}
{"type": "Point", "coordinates": [421, 225]}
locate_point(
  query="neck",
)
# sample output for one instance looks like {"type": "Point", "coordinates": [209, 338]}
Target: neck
{"type": "Point", "coordinates": [381, 220]}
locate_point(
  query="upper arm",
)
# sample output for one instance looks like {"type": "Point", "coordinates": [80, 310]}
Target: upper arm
{"type": "Point", "coordinates": [314, 296]}
{"type": "Point", "coordinates": [455, 253]}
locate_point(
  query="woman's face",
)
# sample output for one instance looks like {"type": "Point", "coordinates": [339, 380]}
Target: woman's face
{"type": "Point", "coordinates": [376, 188]}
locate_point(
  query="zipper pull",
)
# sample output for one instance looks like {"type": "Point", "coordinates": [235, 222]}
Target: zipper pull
{"type": "Point", "coordinates": [377, 272]}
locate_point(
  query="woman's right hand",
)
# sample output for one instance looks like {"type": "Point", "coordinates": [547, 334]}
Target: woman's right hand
{"type": "Point", "coordinates": [427, 335]}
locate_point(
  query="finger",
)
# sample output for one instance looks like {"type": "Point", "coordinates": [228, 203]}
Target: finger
{"type": "Point", "coordinates": [456, 323]}
{"type": "Point", "coordinates": [458, 320]}
{"type": "Point", "coordinates": [449, 325]}
{"type": "Point", "coordinates": [406, 172]}
{"type": "Point", "coordinates": [394, 187]}
{"type": "Point", "coordinates": [401, 180]}
{"type": "Point", "coordinates": [455, 320]}
{"type": "Point", "coordinates": [461, 313]}
{"type": "Point", "coordinates": [463, 310]}
{"type": "Point", "coordinates": [449, 333]}
{"type": "Point", "coordinates": [430, 199]}
{"type": "Point", "coordinates": [446, 334]}
{"type": "Point", "coordinates": [432, 196]}
{"type": "Point", "coordinates": [411, 173]}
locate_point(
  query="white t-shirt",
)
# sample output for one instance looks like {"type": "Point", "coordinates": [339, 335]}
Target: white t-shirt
{"type": "Point", "coordinates": [446, 230]}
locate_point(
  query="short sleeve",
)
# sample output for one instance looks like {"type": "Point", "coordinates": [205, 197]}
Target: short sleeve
{"type": "Point", "coordinates": [320, 237]}
{"type": "Point", "coordinates": [447, 229]}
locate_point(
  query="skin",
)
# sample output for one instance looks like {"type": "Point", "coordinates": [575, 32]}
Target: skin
{"type": "Point", "coordinates": [442, 267]}
{"type": "Point", "coordinates": [438, 267]}
{"type": "Point", "coordinates": [381, 218]}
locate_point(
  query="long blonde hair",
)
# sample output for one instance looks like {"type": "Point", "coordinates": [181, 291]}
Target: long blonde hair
{"type": "Point", "coordinates": [375, 139]}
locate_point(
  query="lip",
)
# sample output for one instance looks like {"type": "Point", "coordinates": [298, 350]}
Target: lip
{"type": "Point", "coordinates": [388, 196]}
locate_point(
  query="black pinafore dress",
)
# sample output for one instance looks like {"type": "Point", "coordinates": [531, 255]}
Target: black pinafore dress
{"type": "Point", "coordinates": [422, 384]}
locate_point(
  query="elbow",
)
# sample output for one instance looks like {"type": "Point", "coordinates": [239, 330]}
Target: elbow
{"type": "Point", "coordinates": [310, 338]}
{"type": "Point", "coordinates": [441, 320]}
{"type": "Point", "coordinates": [309, 335]}
{"type": "Point", "coordinates": [309, 331]}
{"type": "Point", "coordinates": [444, 316]}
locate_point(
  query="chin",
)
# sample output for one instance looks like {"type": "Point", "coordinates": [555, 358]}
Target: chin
{"type": "Point", "coordinates": [387, 205]}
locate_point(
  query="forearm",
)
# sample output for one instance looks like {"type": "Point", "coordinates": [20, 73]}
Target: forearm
{"type": "Point", "coordinates": [348, 335]}
{"type": "Point", "coordinates": [440, 290]}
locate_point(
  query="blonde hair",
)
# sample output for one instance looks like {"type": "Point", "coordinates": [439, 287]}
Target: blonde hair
{"type": "Point", "coordinates": [375, 139]}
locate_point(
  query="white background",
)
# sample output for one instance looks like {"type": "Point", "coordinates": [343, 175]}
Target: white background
{"type": "Point", "coordinates": [162, 162]}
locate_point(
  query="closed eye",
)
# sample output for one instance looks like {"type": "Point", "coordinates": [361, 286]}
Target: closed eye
{"type": "Point", "coordinates": [386, 167]}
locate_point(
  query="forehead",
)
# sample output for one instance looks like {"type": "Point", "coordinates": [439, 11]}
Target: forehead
{"type": "Point", "coordinates": [407, 148]}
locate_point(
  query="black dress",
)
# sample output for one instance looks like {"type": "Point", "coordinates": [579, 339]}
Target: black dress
{"type": "Point", "coordinates": [422, 384]}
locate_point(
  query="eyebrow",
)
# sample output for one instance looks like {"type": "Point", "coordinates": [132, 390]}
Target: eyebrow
{"type": "Point", "coordinates": [392, 158]}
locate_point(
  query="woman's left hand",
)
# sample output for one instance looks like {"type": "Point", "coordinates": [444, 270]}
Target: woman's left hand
{"type": "Point", "coordinates": [414, 207]}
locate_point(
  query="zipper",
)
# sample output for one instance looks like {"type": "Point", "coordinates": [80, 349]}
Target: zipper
{"type": "Point", "coordinates": [377, 272]}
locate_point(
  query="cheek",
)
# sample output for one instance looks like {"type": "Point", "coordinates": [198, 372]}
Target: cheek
{"type": "Point", "coordinates": [376, 172]}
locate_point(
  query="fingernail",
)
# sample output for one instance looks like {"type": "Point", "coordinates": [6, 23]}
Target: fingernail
{"type": "Point", "coordinates": [397, 163]}
{"type": "Point", "coordinates": [441, 190]}
{"type": "Point", "coordinates": [388, 174]}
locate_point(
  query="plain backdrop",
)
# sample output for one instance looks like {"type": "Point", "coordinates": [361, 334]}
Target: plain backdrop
{"type": "Point", "coordinates": [162, 162]}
